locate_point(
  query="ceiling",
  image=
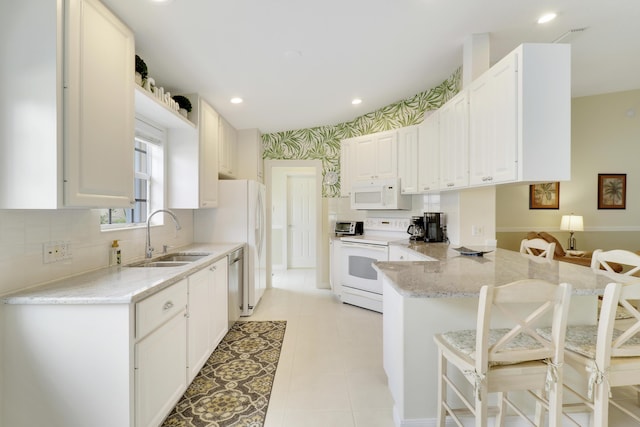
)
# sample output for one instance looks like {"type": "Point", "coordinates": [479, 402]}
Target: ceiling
{"type": "Point", "coordinates": [298, 63]}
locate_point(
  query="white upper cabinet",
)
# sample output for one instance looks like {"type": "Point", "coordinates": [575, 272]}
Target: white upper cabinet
{"type": "Point", "coordinates": [227, 149]}
{"type": "Point", "coordinates": [346, 154]}
{"type": "Point", "coordinates": [492, 125]}
{"type": "Point", "coordinates": [249, 151]}
{"type": "Point", "coordinates": [70, 138]}
{"type": "Point", "coordinates": [454, 143]}
{"type": "Point", "coordinates": [375, 156]}
{"type": "Point", "coordinates": [520, 117]}
{"type": "Point", "coordinates": [429, 154]}
{"type": "Point", "coordinates": [193, 160]}
{"type": "Point", "coordinates": [544, 112]}
{"type": "Point", "coordinates": [408, 159]}
{"type": "Point", "coordinates": [98, 107]}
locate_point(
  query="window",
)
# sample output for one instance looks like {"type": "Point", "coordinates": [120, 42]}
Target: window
{"type": "Point", "coordinates": [148, 157]}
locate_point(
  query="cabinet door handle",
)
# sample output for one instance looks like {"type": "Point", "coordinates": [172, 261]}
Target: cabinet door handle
{"type": "Point", "coordinates": [212, 269]}
{"type": "Point", "coordinates": [167, 305]}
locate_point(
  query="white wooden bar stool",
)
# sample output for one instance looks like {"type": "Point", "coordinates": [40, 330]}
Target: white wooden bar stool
{"type": "Point", "coordinates": [538, 247]}
{"type": "Point", "coordinates": [604, 356]}
{"type": "Point", "coordinates": [507, 359]}
{"type": "Point", "coordinates": [630, 261]}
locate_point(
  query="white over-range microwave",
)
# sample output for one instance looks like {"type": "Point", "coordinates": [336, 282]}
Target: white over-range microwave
{"type": "Point", "coordinates": [379, 194]}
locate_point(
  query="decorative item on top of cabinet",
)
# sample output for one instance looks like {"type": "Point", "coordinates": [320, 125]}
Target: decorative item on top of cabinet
{"type": "Point", "coordinates": [250, 149]}
{"type": "Point", "coordinates": [408, 159]}
{"type": "Point", "coordinates": [193, 160]}
{"type": "Point", "coordinates": [227, 149]}
{"type": "Point", "coordinates": [141, 71]}
{"type": "Point", "coordinates": [429, 153]}
{"type": "Point", "coordinates": [184, 105]}
{"type": "Point", "coordinates": [150, 108]}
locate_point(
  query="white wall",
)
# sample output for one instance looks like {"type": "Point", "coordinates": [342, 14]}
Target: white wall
{"type": "Point", "coordinates": [22, 233]}
{"type": "Point", "coordinates": [605, 139]}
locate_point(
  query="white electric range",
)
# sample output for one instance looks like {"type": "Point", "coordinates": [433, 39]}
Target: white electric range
{"type": "Point", "coordinates": [360, 282]}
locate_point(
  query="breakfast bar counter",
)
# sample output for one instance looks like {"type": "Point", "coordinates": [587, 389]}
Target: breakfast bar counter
{"type": "Point", "coordinates": [423, 298]}
{"type": "Point", "coordinates": [452, 275]}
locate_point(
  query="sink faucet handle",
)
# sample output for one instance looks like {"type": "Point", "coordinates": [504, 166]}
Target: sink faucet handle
{"type": "Point", "coordinates": [165, 248]}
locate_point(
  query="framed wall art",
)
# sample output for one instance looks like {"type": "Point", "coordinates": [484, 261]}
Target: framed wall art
{"type": "Point", "coordinates": [544, 196]}
{"type": "Point", "coordinates": [612, 191]}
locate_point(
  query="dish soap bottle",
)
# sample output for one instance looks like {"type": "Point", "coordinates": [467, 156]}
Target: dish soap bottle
{"type": "Point", "coordinates": [115, 256]}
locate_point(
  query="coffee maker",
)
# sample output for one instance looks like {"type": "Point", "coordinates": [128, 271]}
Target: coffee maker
{"type": "Point", "coordinates": [434, 227]}
{"type": "Point", "coordinates": [416, 229]}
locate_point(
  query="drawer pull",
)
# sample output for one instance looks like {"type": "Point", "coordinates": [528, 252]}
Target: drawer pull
{"type": "Point", "coordinates": [167, 305]}
{"type": "Point", "coordinates": [212, 269]}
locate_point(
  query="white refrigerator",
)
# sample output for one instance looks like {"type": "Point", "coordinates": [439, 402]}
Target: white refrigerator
{"type": "Point", "coordinates": [239, 217]}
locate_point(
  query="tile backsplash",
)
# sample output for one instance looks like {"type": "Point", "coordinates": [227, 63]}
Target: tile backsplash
{"type": "Point", "coordinates": [23, 232]}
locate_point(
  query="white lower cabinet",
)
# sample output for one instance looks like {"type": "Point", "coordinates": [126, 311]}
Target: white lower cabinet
{"type": "Point", "coordinates": [119, 365]}
{"type": "Point", "coordinates": [160, 377]}
{"type": "Point", "coordinates": [218, 303]}
{"type": "Point", "coordinates": [398, 253]}
{"type": "Point", "coordinates": [208, 314]}
{"type": "Point", "coordinates": [199, 285]}
{"type": "Point", "coordinates": [335, 245]}
{"type": "Point", "coordinates": [160, 353]}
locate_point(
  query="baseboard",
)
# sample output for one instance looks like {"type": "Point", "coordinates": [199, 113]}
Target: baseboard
{"type": "Point", "coordinates": [510, 421]}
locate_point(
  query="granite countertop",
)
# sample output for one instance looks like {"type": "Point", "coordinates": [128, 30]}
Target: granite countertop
{"type": "Point", "coordinates": [121, 284]}
{"type": "Point", "coordinates": [453, 275]}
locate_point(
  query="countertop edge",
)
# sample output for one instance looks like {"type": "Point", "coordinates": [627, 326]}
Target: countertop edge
{"type": "Point", "coordinates": [451, 275]}
{"type": "Point", "coordinates": [61, 292]}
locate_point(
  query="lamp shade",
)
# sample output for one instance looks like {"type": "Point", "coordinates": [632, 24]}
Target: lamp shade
{"type": "Point", "coordinates": [571, 223]}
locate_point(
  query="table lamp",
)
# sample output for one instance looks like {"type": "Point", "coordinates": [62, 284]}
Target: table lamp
{"type": "Point", "coordinates": [571, 223]}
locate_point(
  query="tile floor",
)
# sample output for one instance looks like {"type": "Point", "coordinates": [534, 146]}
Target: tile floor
{"type": "Point", "coordinates": [330, 370]}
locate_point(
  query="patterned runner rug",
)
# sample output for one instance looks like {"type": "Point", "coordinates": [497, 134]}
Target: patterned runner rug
{"type": "Point", "coordinates": [233, 387]}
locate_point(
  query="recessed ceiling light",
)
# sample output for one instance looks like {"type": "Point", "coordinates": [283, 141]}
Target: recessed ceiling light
{"type": "Point", "coordinates": [292, 53]}
{"type": "Point", "coordinates": [236, 100]}
{"type": "Point", "coordinates": [546, 18]}
{"type": "Point", "coordinates": [356, 101]}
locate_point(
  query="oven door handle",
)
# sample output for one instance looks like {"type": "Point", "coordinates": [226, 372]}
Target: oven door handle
{"type": "Point", "coordinates": [380, 248]}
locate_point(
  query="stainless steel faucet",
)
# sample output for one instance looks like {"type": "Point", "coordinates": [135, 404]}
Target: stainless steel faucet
{"type": "Point", "coordinates": [148, 248]}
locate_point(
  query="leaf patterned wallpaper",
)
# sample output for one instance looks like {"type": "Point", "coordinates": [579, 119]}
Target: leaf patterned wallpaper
{"type": "Point", "coordinates": [323, 143]}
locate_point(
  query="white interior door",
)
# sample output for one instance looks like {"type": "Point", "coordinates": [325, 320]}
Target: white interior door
{"type": "Point", "coordinates": [301, 221]}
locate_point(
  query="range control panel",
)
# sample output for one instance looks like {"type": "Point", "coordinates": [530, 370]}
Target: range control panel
{"type": "Point", "coordinates": [387, 224]}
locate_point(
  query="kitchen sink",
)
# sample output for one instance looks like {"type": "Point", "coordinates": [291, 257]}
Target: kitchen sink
{"type": "Point", "coordinates": [177, 259]}
{"type": "Point", "coordinates": [159, 264]}
{"type": "Point", "coordinates": [182, 257]}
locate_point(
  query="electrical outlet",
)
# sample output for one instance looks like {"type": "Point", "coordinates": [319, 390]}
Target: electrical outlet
{"type": "Point", "coordinates": [56, 251]}
{"type": "Point", "coordinates": [477, 230]}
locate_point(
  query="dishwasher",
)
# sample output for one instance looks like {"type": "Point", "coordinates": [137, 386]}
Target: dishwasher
{"type": "Point", "coordinates": [236, 284]}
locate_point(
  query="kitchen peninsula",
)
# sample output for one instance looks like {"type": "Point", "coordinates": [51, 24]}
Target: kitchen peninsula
{"type": "Point", "coordinates": [422, 298]}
